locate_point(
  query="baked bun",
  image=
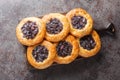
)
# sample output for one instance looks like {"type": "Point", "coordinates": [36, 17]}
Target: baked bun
{"type": "Point", "coordinates": [30, 31]}
{"type": "Point", "coordinates": [66, 50]}
{"type": "Point", "coordinates": [81, 22]}
{"type": "Point", "coordinates": [42, 55]}
{"type": "Point", "coordinates": [57, 26]}
{"type": "Point", "coordinates": [89, 45]}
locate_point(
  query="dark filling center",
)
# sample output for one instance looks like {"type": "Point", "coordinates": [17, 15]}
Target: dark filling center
{"type": "Point", "coordinates": [64, 48]}
{"type": "Point", "coordinates": [40, 53]}
{"type": "Point", "coordinates": [87, 42]}
{"type": "Point", "coordinates": [54, 26]}
{"type": "Point", "coordinates": [29, 29]}
{"type": "Point", "coordinates": [78, 22]}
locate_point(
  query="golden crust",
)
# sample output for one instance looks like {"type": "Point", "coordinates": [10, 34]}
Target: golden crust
{"type": "Point", "coordinates": [88, 27]}
{"type": "Point", "coordinates": [38, 38]}
{"type": "Point", "coordinates": [88, 53]}
{"type": "Point", "coordinates": [47, 62]}
{"type": "Point", "coordinates": [74, 53]}
{"type": "Point", "coordinates": [63, 33]}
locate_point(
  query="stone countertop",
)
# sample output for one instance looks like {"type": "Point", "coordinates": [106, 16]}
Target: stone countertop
{"type": "Point", "coordinates": [13, 64]}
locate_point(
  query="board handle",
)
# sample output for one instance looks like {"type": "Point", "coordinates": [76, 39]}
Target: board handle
{"type": "Point", "coordinates": [109, 30]}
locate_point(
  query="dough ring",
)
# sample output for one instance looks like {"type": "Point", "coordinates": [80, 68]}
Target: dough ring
{"type": "Point", "coordinates": [30, 31]}
{"type": "Point", "coordinates": [57, 26]}
{"type": "Point", "coordinates": [89, 45]}
{"type": "Point", "coordinates": [42, 55]}
{"type": "Point", "coordinates": [66, 50]}
{"type": "Point", "coordinates": [81, 22]}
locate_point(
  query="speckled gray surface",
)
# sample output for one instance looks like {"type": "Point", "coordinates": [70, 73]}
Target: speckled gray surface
{"type": "Point", "coordinates": [13, 63]}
